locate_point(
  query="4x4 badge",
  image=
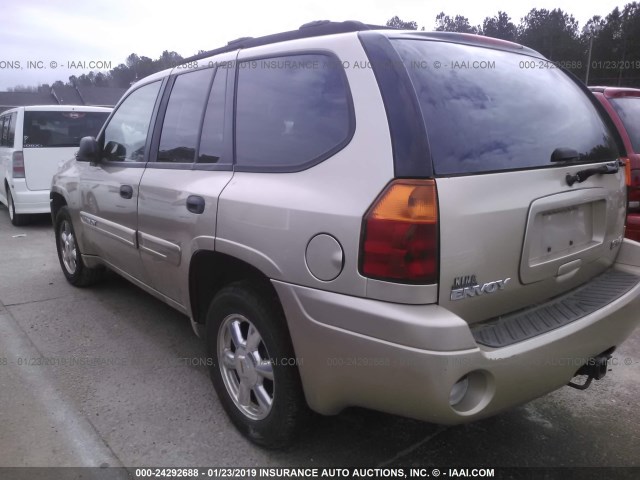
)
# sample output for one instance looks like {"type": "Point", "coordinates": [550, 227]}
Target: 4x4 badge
{"type": "Point", "coordinates": [468, 286]}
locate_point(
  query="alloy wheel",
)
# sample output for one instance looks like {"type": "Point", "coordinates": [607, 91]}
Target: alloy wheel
{"type": "Point", "coordinates": [246, 367]}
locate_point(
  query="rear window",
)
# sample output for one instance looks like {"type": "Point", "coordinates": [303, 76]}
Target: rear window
{"type": "Point", "coordinates": [628, 109]}
{"type": "Point", "coordinates": [489, 110]}
{"type": "Point", "coordinates": [60, 129]}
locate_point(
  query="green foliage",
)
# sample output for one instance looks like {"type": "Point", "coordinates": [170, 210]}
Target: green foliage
{"type": "Point", "coordinates": [615, 40]}
{"type": "Point", "coordinates": [553, 33]}
{"type": "Point", "coordinates": [395, 22]}
{"type": "Point", "coordinates": [500, 26]}
{"type": "Point", "coordinates": [445, 23]}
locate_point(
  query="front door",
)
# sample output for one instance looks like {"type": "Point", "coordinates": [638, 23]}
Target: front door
{"type": "Point", "coordinates": [110, 188]}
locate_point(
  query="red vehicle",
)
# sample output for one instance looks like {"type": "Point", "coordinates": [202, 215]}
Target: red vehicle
{"type": "Point", "coordinates": [623, 106]}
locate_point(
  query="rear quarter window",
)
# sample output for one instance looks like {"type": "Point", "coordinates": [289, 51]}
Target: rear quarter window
{"type": "Point", "coordinates": [490, 110]}
{"type": "Point", "coordinates": [291, 112]}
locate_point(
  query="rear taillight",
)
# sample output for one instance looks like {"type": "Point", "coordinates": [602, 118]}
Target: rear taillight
{"type": "Point", "coordinates": [634, 191]}
{"type": "Point", "coordinates": [400, 237]}
{"type": "Point", "coordinates": [17, 162]}
{"type": "Point", "coordinates": [632, 178]}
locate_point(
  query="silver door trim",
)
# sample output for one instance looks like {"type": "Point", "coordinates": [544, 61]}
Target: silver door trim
{"type": "Point", "coordinates": [110, 229]}
{"type": "Point", "coordinates": [159, 247]}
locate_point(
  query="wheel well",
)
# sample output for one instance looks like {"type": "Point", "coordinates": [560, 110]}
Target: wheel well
{"type": "Point", "coordinates": [211, 271]}
{"type": "Point", "coordinates": [57, 202]}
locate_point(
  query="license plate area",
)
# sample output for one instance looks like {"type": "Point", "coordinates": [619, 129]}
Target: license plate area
{"type": "Point", "coordinates": [561, 229]}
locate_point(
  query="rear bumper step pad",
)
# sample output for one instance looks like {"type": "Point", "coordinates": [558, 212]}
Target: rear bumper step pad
{"type": "Point", "coordinates": [534, 321]}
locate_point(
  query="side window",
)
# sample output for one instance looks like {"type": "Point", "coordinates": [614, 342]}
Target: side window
{"type": "Point", "coordinates": [126, 134]}
{"type": "Point", "coordinates": [213, 127]}
{"type": "Point", "coordinates": [291, 111]}
{"type": "Point", "coordinates": [12, 128]}
{"type": "Point", "coordinates": [181, 125]}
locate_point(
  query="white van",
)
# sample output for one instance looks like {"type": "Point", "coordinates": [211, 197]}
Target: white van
{"type": "Point", "coordinates": [33, 140]}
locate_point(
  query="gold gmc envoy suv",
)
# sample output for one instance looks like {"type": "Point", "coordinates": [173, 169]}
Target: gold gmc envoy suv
{"type": "Point", "coordinates": [426, 224]}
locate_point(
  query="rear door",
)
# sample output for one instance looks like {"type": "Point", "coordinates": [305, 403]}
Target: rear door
{"type": "Point", "coordinates": [508, 134]}
{"type": "Point", "coordinates": [191, 163]}
{"type": "Point", "coordinates": [50, 137]}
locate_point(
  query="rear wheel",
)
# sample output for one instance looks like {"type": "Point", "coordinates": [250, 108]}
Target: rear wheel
{"type": "Point", "coordinates": [76, 272]}
{"type": "Point", "coordinates": [254, 370]}
{"type": "Point", "coordinates": [16, 218]}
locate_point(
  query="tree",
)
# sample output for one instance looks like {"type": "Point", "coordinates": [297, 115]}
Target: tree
{"type": "Point", "coordinates": [500, 26]}
{"type": "Point", "coordinates": [630, 39]}
{"type": "Point", "coordinates": [123, 76]}
{"type": "Point", "coordinates": [141, 66]}
{"type": "Point", "coordinates": [168, 60]}
{"type": "Point", "coordinates": [395, 22]}
{"type": "Point", "coordinates": [552, 33]}
{"type": "Point", "coordinates": [101, 80]}
{"type": "Point", "coordinates": [444, 23]}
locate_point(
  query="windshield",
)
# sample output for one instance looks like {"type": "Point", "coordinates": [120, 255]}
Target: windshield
{"type": "Point", "coordinates": [490, 110]}
{"type": "Point", "coordinates": [628, 109]}
{"type": "Point", "coordinates": [60, 129]}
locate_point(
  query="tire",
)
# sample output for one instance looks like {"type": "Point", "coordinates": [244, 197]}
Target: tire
{"type": "Point", "coordinates": [17, 219]}
{"type": "Point", "coordinates": [258, 384]}
{"type": "Point", "coordinates": [76, 272]}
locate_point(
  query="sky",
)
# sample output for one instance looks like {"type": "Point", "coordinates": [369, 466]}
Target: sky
{"type": "Point", "coordinates": [43, 41]}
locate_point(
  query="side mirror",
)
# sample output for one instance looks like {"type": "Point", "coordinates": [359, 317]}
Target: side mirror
{"type": "Point", "coordinates": [88, 151]}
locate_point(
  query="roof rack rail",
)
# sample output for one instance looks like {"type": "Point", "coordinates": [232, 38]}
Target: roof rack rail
{"type": "Point", "coordinates": [316, 28]}
{"type": "Point", "coordinates": [239, 40]}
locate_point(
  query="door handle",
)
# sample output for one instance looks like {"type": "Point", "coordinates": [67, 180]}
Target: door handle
{"type": "Point", "coordinates": [126, 191]}
{"type": "Point", "coordinates": [195, 204]}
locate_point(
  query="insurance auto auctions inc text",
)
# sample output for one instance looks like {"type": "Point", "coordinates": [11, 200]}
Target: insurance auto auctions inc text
{"type": "Point", "coordinates": [373, 472]}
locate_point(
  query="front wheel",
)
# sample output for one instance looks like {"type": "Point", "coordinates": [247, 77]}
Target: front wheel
{"type": "Point", "coordinates": [76, 272]}
{"type": "Point", "coordinates": [254, 370]}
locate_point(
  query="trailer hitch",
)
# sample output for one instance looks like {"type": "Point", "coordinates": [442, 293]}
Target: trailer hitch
{"type": "Point", "coordinates": [595, 368]}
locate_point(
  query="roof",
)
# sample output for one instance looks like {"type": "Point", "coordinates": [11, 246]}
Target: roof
{"type": "Point", "coordinates": [466, 39]}
{"type": "Point", "coordinates": [66, 108]}
{"type": "Point", "coordinates": [58, 108]}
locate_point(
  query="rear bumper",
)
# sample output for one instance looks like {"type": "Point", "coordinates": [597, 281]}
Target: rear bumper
{"type": "Point", "coordinates": [406, 359]}
{"type": "Point", "coordinates": [633, 227]}
{"type": "Point", "coordinates": [29, 201]}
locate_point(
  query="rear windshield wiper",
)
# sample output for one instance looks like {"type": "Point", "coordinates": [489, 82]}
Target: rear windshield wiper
{"type": "Point", "coordinates": [582, 175]}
